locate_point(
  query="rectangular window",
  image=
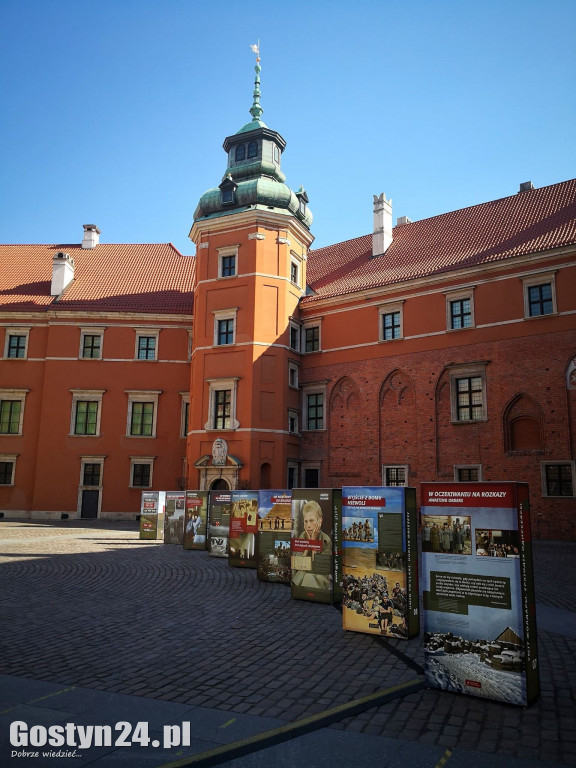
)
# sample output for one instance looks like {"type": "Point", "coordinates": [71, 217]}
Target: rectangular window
{"type": "Point", "coordinates": [222, 408]}
{"type": "Point", "coordinates": [311, 478]}
{"type": "Point", "coordinates": [141, 423]}
{"type": "Point", "coordinates": [312, 338]}
{"type": "Point", "coordinates": [228, 263]}
{"type": "Point", "coordinates": [559, 479]}
{"type": "Point", "coordinates": [469, 404]}
{"type": "Point", "coordinates": [17, 345]}
{"type": "Point", "coordinates": [467, 474]}
{"type": "Point", "coordinates": [91, 346]}
{"type": "Point", "coordinates": [390, 325]}
{"type": "Point", "coordinates": [294, 272]}
{"type": "Point", "coordinates": [292, 476]}
{"type": "Point", "coordinates": [292, 422]}
{"type": "Point", "coordinates": [294, 338]}
{"type": "Point", "coordinates": [315, 411]}
{"type": "Point", "coordinates": [185, 418]}
{"type": "Point", "coordinates": [6, 472]}
{"type": "Point", "coordinates": [10, 417]}
{"type": "Point", "coordinates": [91, 474]}
{"type": "Point", "coordinates": [146, 348]}
{"type": "Point", "coordinates": [395, 476]}
{"type": "Point", "coordinates": [293, 375]}
{"type": "Point", "coordinates": [460, 314]}
{"type": "Point", "coordinates": [86, 417]}
{"type": "Point", "coordinates": [226, 331]}
{"type": "Point", "coordinates": [540, 300]}
{"type": "Point", "coordinates": [141, 475]}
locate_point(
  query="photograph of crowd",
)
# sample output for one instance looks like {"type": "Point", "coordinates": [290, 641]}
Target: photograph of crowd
{"type": "Point", "coordinates": [448, 534]}
{"type": "Point", "coordinates": [377, 607]}
{"type": "Point", "coordinates": [275, 565]}
{"type": "Point", "coordinates": [497, 543]}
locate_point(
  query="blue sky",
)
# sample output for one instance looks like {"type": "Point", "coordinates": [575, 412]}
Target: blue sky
{"type": "Point", "coordinates": [114, 111]}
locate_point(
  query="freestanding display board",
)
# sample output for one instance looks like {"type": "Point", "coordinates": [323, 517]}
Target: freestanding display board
{"type": "Point", "coordinates": [274, 528]}
{"type": "Point", "coordinates": [243, 527]}
{"type": "Point", "coordinates": [174, 517]}
{"type": "Point", "coordinates": [479, 613]}
{"type": "Point", "coordinates": [152, 514]}
{"type": "Point", "coordinates": [219, 522]}
{"type": "Point", "coordinates": [315, 544]}
{"type": "Point", "coordinates": [196, 520]}
{"type": "Point", "coordinates": [380, 561]}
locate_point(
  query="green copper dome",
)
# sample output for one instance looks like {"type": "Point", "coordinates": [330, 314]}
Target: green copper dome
{"type": "Point", "coordinates": [253, 177]}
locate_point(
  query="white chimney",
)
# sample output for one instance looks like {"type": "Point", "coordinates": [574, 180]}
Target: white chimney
{"type": "Point", "coordinates": [382, 236]}
{"type": "Point", "coordinates": [62, 272]}
{"type": "Point", "coordinates": [91, 236]}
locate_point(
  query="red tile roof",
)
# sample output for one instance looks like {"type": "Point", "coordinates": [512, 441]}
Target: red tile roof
{"type": "Point", "coordinates": [532, 221]}
{"type": "Point", "coordinates": [152, 278]}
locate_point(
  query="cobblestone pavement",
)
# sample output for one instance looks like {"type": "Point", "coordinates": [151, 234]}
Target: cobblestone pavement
{"type": "Point", "coordinates": [86, 603]}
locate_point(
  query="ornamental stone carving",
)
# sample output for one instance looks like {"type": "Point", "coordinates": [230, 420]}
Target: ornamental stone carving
{"type": "Point", "coordinates": [219, 452]}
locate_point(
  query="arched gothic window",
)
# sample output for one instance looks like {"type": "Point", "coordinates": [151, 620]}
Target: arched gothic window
{"type": "Point", "coordinates": [240, 152]}
{"type": "Point", "coordinates": [253, 149]}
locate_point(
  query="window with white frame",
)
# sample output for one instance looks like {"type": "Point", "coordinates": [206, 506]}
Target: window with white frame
{"type": "Point", "coordinates": [293, 421]}
{"type": "Point", "coordinates": [558, 478]}
{"type": "Point", "coordinates": [295, 271]}
{"type": "Point", "coordinates": [86, 411]}
{"type": "Point", "coordinates": [468, 393]}
{"type": "Point", "coordinates": [91, 471]}
{"type": "Point", "coordinates": [395, 474]}
{"type": "Point", "coordinates": [228, 261]}
{"type": "Point", "coordinates": [184, 413]}
{"type": "Point", "coordinates": [311, 337]}
{"type": "Point", "coordinates": [16, 344]}
{"type": "Point", "coordinates": [468, 473]}
{"type": "Point", "coordinates": [142, 413]}
{"type": "Point", "coordinates": [224, 327]}
{"type": "Point", "coordinates": [222, 404]}
{"type": "Point", "coordinates": [91, 340]}
{"type": "Point", "coordinates": [294, 336]}
{"type": "Point", "coordinates": [147, 344]}
{"type": "Point", "coordinates": [293, 375]}
{"type": "Point", "coordinates": [314, 401]}
{"type": "Point", "coordinates": [12, 411]}
{"type": "Point", "coordinates": [292, 474]}
{"type": "Point", "coordinates": [540, 294]}
{"type": "Point", "coordinates": [190, 345]}
{"type": "Point", "coordinates": [141, 471]}
{"type": "Point", "coordinates": [390, 321]}
{"type": "Point", "coordinates": [7, 468]}
{"type": "Point", "coordinates": [460, 309]}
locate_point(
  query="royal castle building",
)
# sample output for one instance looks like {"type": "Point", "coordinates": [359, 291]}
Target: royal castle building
{"type": "Point", "coordinates": [434, 350]}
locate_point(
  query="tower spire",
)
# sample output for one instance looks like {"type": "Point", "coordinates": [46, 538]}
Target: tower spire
{"type": "Point", "coordinates": [256, 110]}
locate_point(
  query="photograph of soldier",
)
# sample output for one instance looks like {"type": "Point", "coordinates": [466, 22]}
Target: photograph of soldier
{"type": "Point", "coordinates": [448, 534]}
{"type": "Point", "coordinates": [497, 543]}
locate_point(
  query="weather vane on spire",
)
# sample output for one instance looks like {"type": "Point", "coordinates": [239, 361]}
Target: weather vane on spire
{"type": "Point", "coordinates": [256, 110]}
{"type": "Point", "coordinates": [256, 49]}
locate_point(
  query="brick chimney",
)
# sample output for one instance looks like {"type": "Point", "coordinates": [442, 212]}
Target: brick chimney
{"type": "Point", "coordinates": [62, 273]}
{"type": "Point", "coordinates": [91, 236]}
{"type": "Point", "coordinates": [382, 236]}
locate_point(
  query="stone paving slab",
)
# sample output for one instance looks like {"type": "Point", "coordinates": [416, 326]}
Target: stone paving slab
{"type": "Point", "coordinates": [92, 606]}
